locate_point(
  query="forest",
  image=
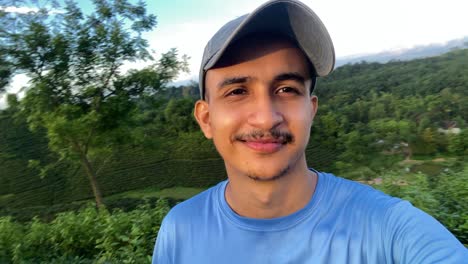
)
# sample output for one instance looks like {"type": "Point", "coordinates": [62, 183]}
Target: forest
{"type": "Point", "coordinates": [92, 158]}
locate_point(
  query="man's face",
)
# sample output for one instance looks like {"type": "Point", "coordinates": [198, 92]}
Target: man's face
{"type": "Point", "coordinates": [258, 108]}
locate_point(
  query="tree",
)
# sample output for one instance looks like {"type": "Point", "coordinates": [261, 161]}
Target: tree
{"type": "Point", "coordinates": [78, 92]}
{"type": "Point", "coordinates": [429, 138]}
{"type": "Point", "coordinates": [458, 143]}
{"type": "Point", "coordinates": [328, 126]}
{"type": "Point", "coordinates": [356, 146]}
{"type": "Point", "coordinates": [179, 117]}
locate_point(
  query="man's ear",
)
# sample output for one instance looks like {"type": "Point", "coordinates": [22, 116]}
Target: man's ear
{"type": "Point", "coordinates": [202, 115]}
{"type": "Point", "coordinates": [313, 106]}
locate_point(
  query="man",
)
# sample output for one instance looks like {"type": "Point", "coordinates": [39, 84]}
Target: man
{"type": "Point", "coordinates": [256, 79]}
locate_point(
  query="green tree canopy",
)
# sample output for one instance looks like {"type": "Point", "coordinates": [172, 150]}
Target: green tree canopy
{"type": "Point", "coordinates": [78, 92]}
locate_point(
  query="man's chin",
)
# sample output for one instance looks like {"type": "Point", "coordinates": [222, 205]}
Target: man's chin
{"type": "Point", "coordinates": [264, 176]}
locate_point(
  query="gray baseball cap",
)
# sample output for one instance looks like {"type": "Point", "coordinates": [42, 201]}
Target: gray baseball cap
{"type": "Point", "coordinates": [290, 18]}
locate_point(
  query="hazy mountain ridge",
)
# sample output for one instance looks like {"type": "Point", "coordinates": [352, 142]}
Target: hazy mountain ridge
{"type": "Point", "coordinates": [420, 51]}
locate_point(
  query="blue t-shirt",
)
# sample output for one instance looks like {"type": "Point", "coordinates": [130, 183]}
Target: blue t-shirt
{"type": "Point", "coordinates": [344, 222]}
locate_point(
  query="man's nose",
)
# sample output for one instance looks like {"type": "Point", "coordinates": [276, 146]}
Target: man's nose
{"type": "Point", "coordinates": [264, 113]}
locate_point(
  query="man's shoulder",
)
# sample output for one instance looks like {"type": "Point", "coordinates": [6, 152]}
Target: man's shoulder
{"type": "Point", "coordinates": [357, 196]}
{"type": "Point", "coordinates": [353, 188]}
{"type": "Point", "coordinates": [196, 206]}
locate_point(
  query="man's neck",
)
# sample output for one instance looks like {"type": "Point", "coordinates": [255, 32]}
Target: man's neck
{"type": "Point", "coordinates": [271, 199]}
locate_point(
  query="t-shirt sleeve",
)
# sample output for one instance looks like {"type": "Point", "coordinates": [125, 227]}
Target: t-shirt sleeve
{"type": "Point", "coordinates": [164, 248]}
{"type": "Point", "coordinates": [416, 237]}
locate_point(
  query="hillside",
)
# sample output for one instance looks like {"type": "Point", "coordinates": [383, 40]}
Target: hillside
{"type": "Point", "coordinates": [371, 116]}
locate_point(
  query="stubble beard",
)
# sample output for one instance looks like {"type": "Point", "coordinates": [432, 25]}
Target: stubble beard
{"type": "Point", "coordinates": [254, 176]}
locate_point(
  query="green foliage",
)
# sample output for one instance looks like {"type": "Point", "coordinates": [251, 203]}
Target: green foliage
{"type": "Point", "coordinates": [372, 109]}
{"type": "Point", "coordinates": [136, 132]}
{"type": "Point", "coordinates": [359, 173]}
{"type": "Point", "coordinates": [451, 190]}
{"type": "Point", "coordinates": [174, 193]}
{"type": "Point", "coordinates": [179, 116]}
{"type": "Point", "coordinates": [458, 143]}
{"type": "Point", "coordinates": [157, 143]}
{"type": "Point", "coordinates": [356, 146]}
{"type": "Point", "coordinates": [444, 196]}
{"type": "Point", "coordinates": [84, 237]}
{"type": "Point", "coordinates": [366, 118]}
{"type": "Point", "coordinates": [414, 188]}
{"type": "Point", "coordinates": [11, 233]}
{"type": "Point", "coordinates": [77, 92]}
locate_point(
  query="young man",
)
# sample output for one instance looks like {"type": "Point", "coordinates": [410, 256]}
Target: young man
{"type": "Point", "coordinates": [256, 79]}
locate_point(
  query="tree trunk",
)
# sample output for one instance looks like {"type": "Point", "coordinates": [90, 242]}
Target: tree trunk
{"type": "Point", "coordinates": [408, 152]}
{"type": "Point", "coordinates": [92, 180]}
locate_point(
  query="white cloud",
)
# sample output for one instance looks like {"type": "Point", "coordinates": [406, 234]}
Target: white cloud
{"type": "Point", "coordinates": [3, 103]}
{"type": "Point", "coordinates": [17, 82]}
{"type": "Point", "coordinates": [20, 10]}
{"type": "Point", "coordinates": [25, 10]}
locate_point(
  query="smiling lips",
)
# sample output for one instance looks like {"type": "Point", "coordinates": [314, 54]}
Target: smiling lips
{"type": "Point", "coordinates": [264, 145]}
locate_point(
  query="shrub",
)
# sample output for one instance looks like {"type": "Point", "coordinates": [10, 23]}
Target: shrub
{"type": "Point", "coordinates": [445, 197]}
{"type": "Point", "coordinates": [10, 234]}
{"type": "Point", "coordinates": [86, 236]}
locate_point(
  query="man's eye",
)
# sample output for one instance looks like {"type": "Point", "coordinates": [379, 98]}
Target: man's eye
{"type": "Point", "coordinates": [287, 90]}
{"type": "Point", "coordinates": [238, 91]}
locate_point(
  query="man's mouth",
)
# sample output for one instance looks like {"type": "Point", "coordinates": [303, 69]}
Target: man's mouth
{"type": "Point", "coordinates": [268, 146]}
{"type": "Point", "coordinates": [265, 142]}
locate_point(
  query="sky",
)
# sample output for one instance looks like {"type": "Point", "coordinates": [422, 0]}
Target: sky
{"type": "Point", "coordinates": [356, 27]}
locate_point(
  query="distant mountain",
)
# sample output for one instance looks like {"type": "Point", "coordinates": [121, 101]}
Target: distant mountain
{"type": "Point", "coordinates": [184, 82]}
{"type": "Point", "coordinates": [416, 52]}
{"type": "Point", "coordinates": [406, 54]}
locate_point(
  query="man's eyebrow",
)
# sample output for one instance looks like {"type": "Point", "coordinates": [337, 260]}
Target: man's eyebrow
{"type": "Point", "coordinates": [233, 80]}
{"type": "Point", "coordinates": [293, 76]}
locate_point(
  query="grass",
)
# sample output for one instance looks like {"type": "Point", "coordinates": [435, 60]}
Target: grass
{"type": "Point", "coordinates": [433, 166]}
{"type": "Point", "coordinates": [430, 169]}
{"type": "Point", "coordinates": [176, 193]}
{"type": "Point", "coordinates": [123, 201]}
{"type": "Point", "coordinates": [6, 199]}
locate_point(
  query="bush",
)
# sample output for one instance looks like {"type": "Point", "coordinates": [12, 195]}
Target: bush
{"type": "Point", "coordinates": [10, 234]}
{"type": "Point", "coordinates": [86, 236]}
{"type": "Point", "coordinates": [445, 197]}
{"type": "Point", "coordinates": [451, 190]}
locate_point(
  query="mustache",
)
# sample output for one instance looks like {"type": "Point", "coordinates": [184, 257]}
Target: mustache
{"type": "Point", "coordinates": [283, 136]}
